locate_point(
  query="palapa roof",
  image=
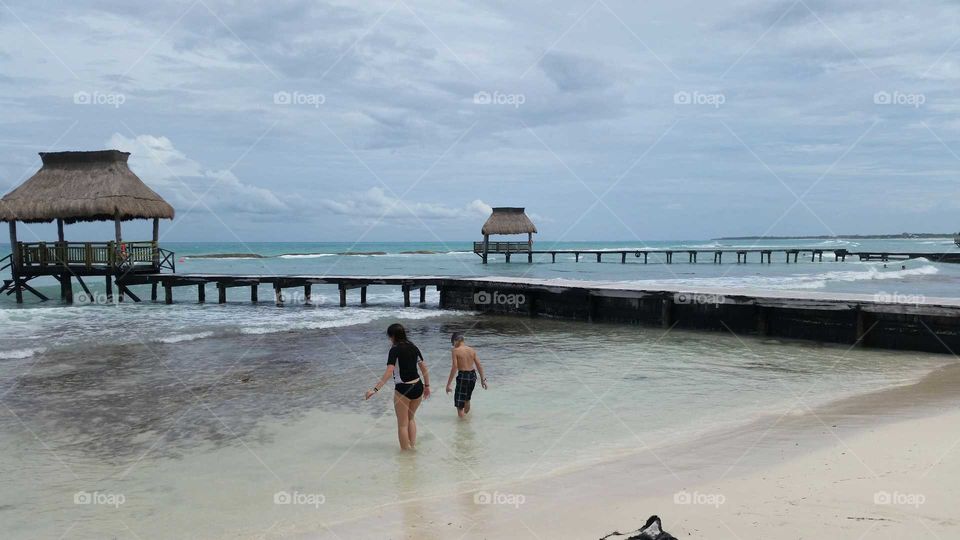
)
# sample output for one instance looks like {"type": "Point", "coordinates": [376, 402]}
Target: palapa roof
{"type": "Point", "coordinates": [506, 220]}
{"type": "Point", "coordinates": [83, 186]}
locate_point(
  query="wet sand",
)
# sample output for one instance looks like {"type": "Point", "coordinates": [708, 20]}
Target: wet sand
{"type": "Point", "coordinates": [880, 465]}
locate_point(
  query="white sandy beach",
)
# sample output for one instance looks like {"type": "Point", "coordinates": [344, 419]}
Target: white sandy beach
{"type": "Point", "coordinates": [836, 472]}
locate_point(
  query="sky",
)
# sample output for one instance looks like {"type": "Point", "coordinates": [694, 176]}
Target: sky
{"type": "Point", "coordinates": [407, 120]}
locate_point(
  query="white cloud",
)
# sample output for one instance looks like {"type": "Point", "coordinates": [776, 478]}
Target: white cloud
{"type": "Point", "coordinates": [184, 181]}
{"type": "Point", "coordinates": [375, 204]}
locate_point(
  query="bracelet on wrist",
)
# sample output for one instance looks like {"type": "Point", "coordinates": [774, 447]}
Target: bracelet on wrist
{"type": "Point", "coordinates": [375, 389]}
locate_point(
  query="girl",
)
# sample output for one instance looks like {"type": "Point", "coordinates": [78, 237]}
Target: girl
{"type": "Point", "coordinates": [410, 386]}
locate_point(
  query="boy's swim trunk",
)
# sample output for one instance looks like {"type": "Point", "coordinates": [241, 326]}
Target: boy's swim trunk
{"type": "Point", "coordinates": [466, 380]}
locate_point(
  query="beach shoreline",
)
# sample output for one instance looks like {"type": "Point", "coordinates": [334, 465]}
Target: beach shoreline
{"type": "Point", "coordinates": [780, 474]}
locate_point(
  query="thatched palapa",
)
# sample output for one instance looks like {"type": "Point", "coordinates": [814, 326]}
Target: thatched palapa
{"type": "Point", "coordinates": [83, 186]}
{"type": "Point", "coordinates": [506, 220]}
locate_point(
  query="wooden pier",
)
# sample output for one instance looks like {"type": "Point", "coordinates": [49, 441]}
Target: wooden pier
{"type": "Point", "coordinates": [715, 255]}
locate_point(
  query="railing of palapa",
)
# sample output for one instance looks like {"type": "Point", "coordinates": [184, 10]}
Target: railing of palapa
{"type": "Point", "coordinates": [89, 254]}
{"type": "Point", "coordinates": [502, 247]}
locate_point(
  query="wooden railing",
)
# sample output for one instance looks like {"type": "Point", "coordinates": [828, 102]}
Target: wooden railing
{"type": "Point", "coordinates": [91, 254]}
{"type": "Point", "coordinates": [502, 247]}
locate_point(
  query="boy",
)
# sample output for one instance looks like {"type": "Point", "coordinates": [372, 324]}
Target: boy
{"type": "Point", "coordinates": [465, 366]}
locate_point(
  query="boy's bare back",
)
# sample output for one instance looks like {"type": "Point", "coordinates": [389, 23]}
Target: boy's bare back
{"type": "Point", "coordinates": [466, 357]}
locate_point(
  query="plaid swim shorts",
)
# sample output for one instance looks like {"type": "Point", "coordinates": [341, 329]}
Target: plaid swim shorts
{"type": "Point", "coordinates": [466, 381]}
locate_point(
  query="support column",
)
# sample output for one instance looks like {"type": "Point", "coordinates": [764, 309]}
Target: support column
{"type": "Point", "coordinates": [167, 293]}
{"type": "Point", "coordinates": [508, 254]}
{"type": "Point", "coordinates": [406, 296]}
{"type": "Point", "coordinates": [598, 256]}
{"type": "Point", "coordinates": [308, 293]}
{"type": "Point", "coordinates": [153, 291]}
{"type": "Point", "coordinates": [254, 289]}
{"type": "Point", "coordinates": [666, 312]}
{"type": "Point", "coordinates": [15, 262]}
{"type": "Point", "coordinates": [201, 292]}
{"type": "Point", "coordinates": [155, 249]}
{"type": "Point", "coordinates": [343, 296]}
{"type": "Point", "coordinates": [553, 257]}
{"type": "Point", "coordinates": [423, 295]}
{"type": "Point", "coordinates": [66, 285]}
{"type": "Point", "coordinates": [363, 296]}
{"type": "Point", "coordinates": [221, 293]}
{"type": "Point", "coordinates": [109, 288]}
{"type": "Point", "coordinates": [623, 258]}
{"type": "Point", "coordinates": [486, 247]}
{"type": "Point", "coordinates": [277, 294]}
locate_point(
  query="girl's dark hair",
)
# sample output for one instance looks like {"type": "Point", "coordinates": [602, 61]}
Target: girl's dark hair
{"type": "Point", "coordinates": [398, 333]}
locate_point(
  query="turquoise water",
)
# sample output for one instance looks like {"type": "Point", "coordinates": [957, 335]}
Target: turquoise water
{"type": "Point", "coordinates": [198, 415]}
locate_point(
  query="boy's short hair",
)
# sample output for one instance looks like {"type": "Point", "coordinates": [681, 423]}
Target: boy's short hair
{"type": "Point", "coordinates": [456, 337]}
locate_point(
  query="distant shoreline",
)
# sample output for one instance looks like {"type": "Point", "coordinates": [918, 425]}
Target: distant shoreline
{"type": "Point", "coordinates": [901, 236]}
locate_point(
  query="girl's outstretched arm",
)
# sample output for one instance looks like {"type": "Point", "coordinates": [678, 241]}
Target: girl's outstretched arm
{"type": "Point", "coordinates": [387, 375]}
{"type": "Point", "coordinates": [425, 373]}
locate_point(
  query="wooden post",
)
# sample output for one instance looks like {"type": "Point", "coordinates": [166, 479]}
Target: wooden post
{"type": "Point", "coordinates": [486, 247]}
{"type": "Point", "coordinates": [861, 328]}
{"type": "Point", "coordinates": [645, 257]}
{"type": "Point", "coordinates": [221, 293]}
{"type": "Point", "coordinates": [307, 296]}
{"type": "Point", "coordinates": [363, 296]}
{"type": "Point", "coordinates": [277, 294]}
{"type": "Point", "coordinates": [343, 296]}
{"type": "Point", "coordinates": [155, 249]}
{"type": "Point", "coordinates": [167, 293]}
{"type": "Point", "coordinates": [67, 285]}
{"type": "Point", "coordinates": [576, 257]}
{"type": "Point", "coordinates": [508, 253]}
{"type": "Point", "coordinates": [553, 257]}
{"type": "Point", "coordinates": [153, 291]}
{"type": "Point", "coordinates": [406, 295]}
{"type": "Point", "coordinates": [15, 261]}
{"type": "Point", "coordinates": [623, 258]}
{"type": "Point", "coordinates": [666, 315]}
{"type": "Point", "coordinates": [201, 292]}
{"type": "Point", "coordinates": [529, 247]}
{"type": "Point", "coordinates": [253, 292]}
{"type": "Point", "coordinates": [598, 256]}
{"type": "Point", "coordinates": [423, 295]}
{"type": "Point", "coordinates": [109, 288]}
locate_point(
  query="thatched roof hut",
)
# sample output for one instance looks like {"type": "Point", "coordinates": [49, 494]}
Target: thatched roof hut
{"type": "Point", "coordinates": [506, 220]}
{"type": "Point", "coordinates": [83, 186]}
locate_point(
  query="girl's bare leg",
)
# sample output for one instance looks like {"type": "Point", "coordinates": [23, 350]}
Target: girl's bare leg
{"type": "Point", "coordinates": [412, 421]}
{"type": "Point", "coordinates": [401, 405]}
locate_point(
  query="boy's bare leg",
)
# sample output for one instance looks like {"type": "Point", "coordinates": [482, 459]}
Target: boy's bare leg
{"type": "Point", "coordinates": [461, 413]}
{"type": "Point", "coordinates": [412, 422]}
{"type": "Point", "coordinates": [466, 407]}
{"type": "Point", "coordinates": [401, 405]}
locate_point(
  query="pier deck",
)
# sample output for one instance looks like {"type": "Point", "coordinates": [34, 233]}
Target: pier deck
{"type": "Point", "coordinates": [766, 255]}
{"type": "Point", "coordinates": [881, 321]}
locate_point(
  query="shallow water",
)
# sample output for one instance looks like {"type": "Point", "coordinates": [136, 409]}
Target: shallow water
{"type": "Point", "coordinates": [186, 421]}
{"type": "Point", "coordinates": [199, 436]}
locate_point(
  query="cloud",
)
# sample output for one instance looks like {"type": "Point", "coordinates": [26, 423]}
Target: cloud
{"type": "Point", "coordinates": [375, 204]}
{"type": "Point", "coordinates": [185, 182]}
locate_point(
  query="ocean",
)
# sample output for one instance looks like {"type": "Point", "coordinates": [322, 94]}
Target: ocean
{"type": "Point", "coordinates": [238, 421]}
